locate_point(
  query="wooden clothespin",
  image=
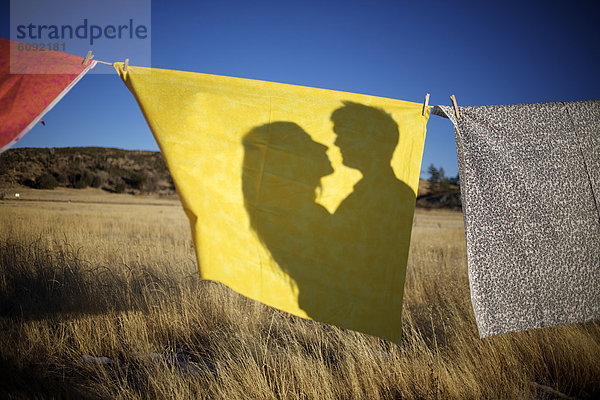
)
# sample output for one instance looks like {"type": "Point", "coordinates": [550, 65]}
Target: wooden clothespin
{"type": "Point", "coordinates": [453, 99]}
{"type": "Point", "coordinates": [126, 64]}
{"type": "Point", "coordinates": [87, 58]}
{"type": "Point", "coordinates": [426, 104]}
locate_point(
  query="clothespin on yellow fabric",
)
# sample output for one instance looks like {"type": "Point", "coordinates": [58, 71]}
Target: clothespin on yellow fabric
{"type": "Point", "coordinates": [126, 64]}
{"type": "Point", "coordinates": [453, 99]}
{"type": "Point", "coordinates": [426, 104]}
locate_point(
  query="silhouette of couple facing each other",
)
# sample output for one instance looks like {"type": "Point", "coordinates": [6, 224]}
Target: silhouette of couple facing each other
{"type": "Point", "coordinates": [344, 263]}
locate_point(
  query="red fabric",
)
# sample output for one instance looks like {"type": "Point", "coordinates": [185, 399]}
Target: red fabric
{"type": "Point", "coordinates": [26, 95]}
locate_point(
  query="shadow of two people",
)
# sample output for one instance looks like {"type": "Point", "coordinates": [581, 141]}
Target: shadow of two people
{"type": "Point", "coordinates": [348, 266]}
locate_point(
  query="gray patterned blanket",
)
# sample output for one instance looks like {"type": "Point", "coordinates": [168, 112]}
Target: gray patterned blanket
{"type": "Point", "coordinates": [530, 187]}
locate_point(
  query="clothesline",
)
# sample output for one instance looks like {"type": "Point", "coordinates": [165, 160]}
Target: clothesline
{"type": "Point", "coordinates": [426, 103]}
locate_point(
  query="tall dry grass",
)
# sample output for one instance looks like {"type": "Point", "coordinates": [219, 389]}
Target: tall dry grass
{"type": "Point", "coordinates": [83, 281]}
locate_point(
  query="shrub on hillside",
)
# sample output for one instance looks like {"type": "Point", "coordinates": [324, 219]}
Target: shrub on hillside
{"type": "Point", "coordinates": [80, 184]}
{"type": "Point", "coordinates": [97, 181]}
{"type": "Point", "coordinates": [28, 182]}
{"type": "Point", "coordinates": [120, 187]}
{"type": "Point", "coordinates": [80, 179]}
{"type": "Point", "coordinates": [46, 181]}
{"type": "Point", "coordinates": [151, 184]}
{"type": "Point", "coordinates": [137, 180]}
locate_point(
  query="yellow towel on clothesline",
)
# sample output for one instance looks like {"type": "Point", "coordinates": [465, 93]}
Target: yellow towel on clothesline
{"type": "Point", "coordinates": [300, 198]}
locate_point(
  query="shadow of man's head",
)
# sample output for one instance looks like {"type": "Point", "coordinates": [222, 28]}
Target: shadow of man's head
{"type": "Point", "coordinates": [366, 136]}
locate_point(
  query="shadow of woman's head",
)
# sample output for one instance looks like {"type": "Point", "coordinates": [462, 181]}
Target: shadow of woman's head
{"type": "Point", "coordinates": [282, 168]}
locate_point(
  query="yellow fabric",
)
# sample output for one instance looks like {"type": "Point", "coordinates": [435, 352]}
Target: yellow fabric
{"type": "Point", "coordinates": [300, 198]}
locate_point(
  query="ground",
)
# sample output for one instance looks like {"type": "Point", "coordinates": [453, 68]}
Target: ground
{"type": "Point", "coordinates": [100, 298]}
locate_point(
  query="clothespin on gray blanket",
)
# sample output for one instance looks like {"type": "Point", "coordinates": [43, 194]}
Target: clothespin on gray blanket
{"type": "Point", "coordinates": [453, 99]}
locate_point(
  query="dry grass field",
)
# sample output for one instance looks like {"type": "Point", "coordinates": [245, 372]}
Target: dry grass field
{"type": "Point", "coordinates": [101, 299]}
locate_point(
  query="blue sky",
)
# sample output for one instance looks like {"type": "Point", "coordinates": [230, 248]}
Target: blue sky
{"type": "Point", "coordinates": [483, 52]}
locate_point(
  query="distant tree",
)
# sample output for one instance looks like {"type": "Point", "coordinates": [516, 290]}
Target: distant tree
{"type": "Point", "coordinates": [455, 180]}
{"type": "Point", "coordinates": [444, 184]}
{"type": "Point", "coordinates": [442, 173]}
{"type": "Point", "coordinates": [438, 182]}
{"type": "Point", "coordinates": [434, 178]}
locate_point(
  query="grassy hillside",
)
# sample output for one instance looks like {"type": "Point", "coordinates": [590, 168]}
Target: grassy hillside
{"type": "Point", "coordinates": [127, 171]}
{"type": "Point", "coordinates": [114, 170]}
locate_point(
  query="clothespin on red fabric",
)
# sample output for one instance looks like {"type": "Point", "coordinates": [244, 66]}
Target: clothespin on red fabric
{"type": "Point", "coordinates": [87, 58]}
